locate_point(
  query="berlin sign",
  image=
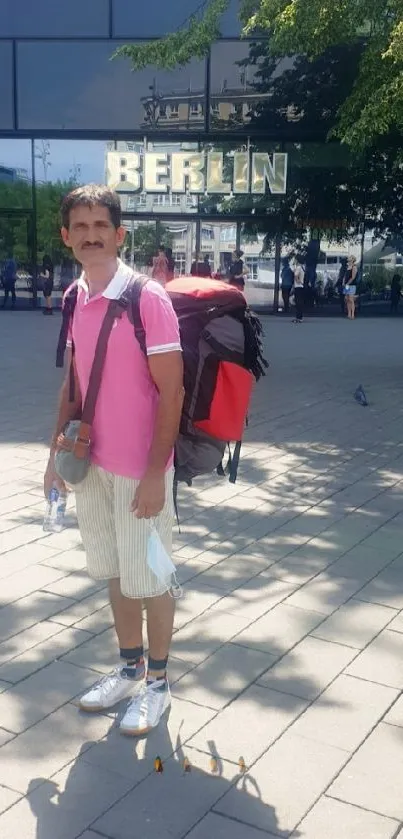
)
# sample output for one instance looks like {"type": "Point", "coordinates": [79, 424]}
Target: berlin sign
{"type": "Point", "coordinates": [199, 173]}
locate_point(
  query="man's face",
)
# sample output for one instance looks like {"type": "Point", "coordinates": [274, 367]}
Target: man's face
{"type": "Point", "coordinates": [92, 236]}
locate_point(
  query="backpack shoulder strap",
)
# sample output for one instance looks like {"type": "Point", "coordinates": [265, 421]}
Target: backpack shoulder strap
{"type": "Point", "coordinates": [98, 365]}
{"type": "Point", "coordinates": [130, 303]}
{"type": "Point", "coordinates": [69, 305]}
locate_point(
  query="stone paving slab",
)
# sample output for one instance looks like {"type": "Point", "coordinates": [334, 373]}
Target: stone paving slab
{"type": "Point", "coordinates": [395, 715]}
{"type": "Point", "coordinates": [287, 646]}
{"type": "Point", "coordinates": [356, 624]}
{"type": "Point", "coordinates": [222, 828]}
{"type": "Point", "coordinates": [30, 610]}
{"type": "Point", "coordinates": [334, 819]}
{"type": "Point", "coordinates": [346, 712]}
{"type": "Point", "coordinates": [7, 798]}
{"type": "Point", "coordinates": [284, 784]}
{"type": "Point", "coordinates": [309, 668]}
{"type": "Point", "coordinates": [27, 581]}
{"type": "Point", "coordinates": [246, 728]}
{"type": "Point", "coordinates": [76, 611]}
{"type": "Point", "coordinates": [46, 747]}
{"type": "Point", "coordinates": [381, 661]}
{"type": "Point", "coordinates": [279, 629]}
{"type": "Point", "coordinates": [26, 703]}
{"type": "Point", "coordinates": [222, 677]}
{"type": "Point", "coordinates": [44, 653]}
{"type": "Point", "coordinates": [374, 777]}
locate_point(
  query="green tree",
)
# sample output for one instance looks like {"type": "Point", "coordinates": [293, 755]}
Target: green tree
{"type": "Point", "coordinates": [373, 107]}
{"type": "Point", "coordinates": [49, 197]}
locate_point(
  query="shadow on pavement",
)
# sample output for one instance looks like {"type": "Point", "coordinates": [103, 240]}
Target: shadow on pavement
{"type": "Point", "coordinates": [121, 795]}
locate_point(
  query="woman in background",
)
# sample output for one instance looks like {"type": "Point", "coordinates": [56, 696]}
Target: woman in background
{"type": "Point", "coordinates": [299, 289]}
{"type": "Point", "coordinates": [237, 271]}
{"type": "Point", "coordinates": [160, 266]}
{"type": "Point", "coordinates": [351, 286]}
{"type": "Point", "coordinates": [47, 276]}
{"type": "Point", "coordinates": [171, 264]}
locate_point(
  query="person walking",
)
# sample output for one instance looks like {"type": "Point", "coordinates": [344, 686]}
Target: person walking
{"type": "Point", "coordinates": [207, 266]}
{"type": "Point", "coordinates": [129, 482]}
{"type": "Point", "coordinates": [237, 271]}
{"type": "Point", "coordinates": [170, 264]}
{"type": "Point", "coordinates": [299, 290]}
{"type": "Point", "coordinates": [287, 282]}
{"type": "Point", "coordinates": [160, 269]}
{"type": "Point", "coordinates": [351, 286]}
{"type": "Point", "coordinates": [47, 276]}
{"type": "Point", "coordinates": [9, 281]}
{"type": "Point", "coordinates": [341, 281]}
{"type": "Point", "coordinates": [198, 267]}
{"type": "Point", "coordinates": [395, 294]}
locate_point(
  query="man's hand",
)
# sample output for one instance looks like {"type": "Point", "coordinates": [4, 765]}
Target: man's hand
{"type": "Point", "coordinates": [51, 478]}
{"type": "Point", "coordinates": [150, 496]}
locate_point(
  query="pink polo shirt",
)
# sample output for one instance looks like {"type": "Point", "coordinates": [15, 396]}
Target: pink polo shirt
{"type": "Point", "coordinates": [127, 402]}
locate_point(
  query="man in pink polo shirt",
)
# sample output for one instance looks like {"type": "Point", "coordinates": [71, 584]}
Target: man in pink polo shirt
{"type": "Point", "coordinates": [130, 478]}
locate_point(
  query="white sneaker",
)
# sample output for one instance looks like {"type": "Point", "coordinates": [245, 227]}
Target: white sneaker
{"type": "Point", "coordinates": [146, 710]}
{"type": "Point", "coordinates": [108, 691]}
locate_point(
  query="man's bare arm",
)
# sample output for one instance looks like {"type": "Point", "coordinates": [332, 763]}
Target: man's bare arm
{"type": "Point", "coordinates": [167, 373]}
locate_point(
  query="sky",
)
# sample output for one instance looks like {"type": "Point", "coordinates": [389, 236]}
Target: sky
{"type": "Point", "coordinates": [64, 156]}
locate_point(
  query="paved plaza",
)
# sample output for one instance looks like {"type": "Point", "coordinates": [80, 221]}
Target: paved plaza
{"type": "Point", "coordinates": [288, 649]}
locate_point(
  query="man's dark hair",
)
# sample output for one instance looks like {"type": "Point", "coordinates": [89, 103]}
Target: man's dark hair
{"type": "Point", "coordinates": [92, 195]}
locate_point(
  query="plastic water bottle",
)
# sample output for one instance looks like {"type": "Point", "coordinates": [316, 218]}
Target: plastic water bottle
{"type": "Point", "coordinates": [55, 511]}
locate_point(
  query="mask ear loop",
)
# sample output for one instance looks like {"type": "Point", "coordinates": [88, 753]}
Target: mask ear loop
{"type": "Point", "coordinates": [176, 590]}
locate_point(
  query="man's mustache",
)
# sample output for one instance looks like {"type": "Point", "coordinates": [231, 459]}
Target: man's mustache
{"type": "Point", "coordinates": [92, 245]}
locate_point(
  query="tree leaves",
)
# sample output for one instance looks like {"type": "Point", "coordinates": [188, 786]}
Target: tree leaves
{"type": "Point", "coordinates": [181, 47]}
{"type": "Point", "coordinates": [375, 106]}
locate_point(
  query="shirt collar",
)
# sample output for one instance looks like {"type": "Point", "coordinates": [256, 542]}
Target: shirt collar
{"type": "Point", "coordinates": [116, 286]}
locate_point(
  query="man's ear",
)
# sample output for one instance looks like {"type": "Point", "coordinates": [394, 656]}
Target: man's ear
{"type": "Point", "coordinates": [120, 236]}
{"type": "Point", "coordinates": [65, 236]}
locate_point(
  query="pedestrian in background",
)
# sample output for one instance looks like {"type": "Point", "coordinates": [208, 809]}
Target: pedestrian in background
{"type": "Point", "coordinates": [47, 276]}
{"type": "Point", "coordinates": [351, 286]}
{"type": "Point", "coordinates": [395, 294]}
{"type": "Point", "coordinates": [160, 266]}
{"type": "Point", "coordinates": [207, 266]}
{"type": "Point", "coordinates": [237, 271]}
{"type": "Point", "coordinates": [198, 268]}
{"type": "Point", "coordinates": [287, 282]}
{"type": "Point", "coordinates": [299, 290]}
{"type": "Point", "coordinates": [9, 277]}
{"type": "Point", "coordinates": [341, 281]}
{"type": "Point", "coordinates": [170, 264]}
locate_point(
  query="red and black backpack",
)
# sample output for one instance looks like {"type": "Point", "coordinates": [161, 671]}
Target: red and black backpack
{"type": "Point", "coordinates": [222, 353]}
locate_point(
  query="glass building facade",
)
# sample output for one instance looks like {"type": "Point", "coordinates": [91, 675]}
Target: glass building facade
{"type": "Point", "coordinates": [72, 113]}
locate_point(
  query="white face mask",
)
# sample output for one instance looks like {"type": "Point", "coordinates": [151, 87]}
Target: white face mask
{"type": "Point", "coordinates": [161, 564]}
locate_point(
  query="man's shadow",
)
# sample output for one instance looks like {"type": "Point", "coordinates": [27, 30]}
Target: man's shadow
{"type": "Point", "coordinates": [104, 772]}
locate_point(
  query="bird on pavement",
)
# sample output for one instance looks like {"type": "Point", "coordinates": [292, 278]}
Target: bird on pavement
{"type": "Point", "coordinates": [360, 396]}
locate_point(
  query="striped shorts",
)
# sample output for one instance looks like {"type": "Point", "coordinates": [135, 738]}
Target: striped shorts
{"type": "Point", "coordinates": [115, 540]}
